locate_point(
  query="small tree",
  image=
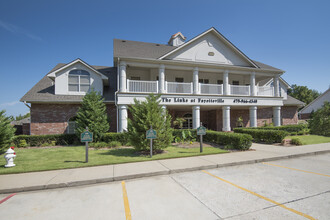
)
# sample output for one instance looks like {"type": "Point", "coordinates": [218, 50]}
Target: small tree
{"type": "Point", "coordinates": [92, 114]}
{"type": "Point", "coordinates": [7, 131]}
{"type": "Point", "coordinates": [320, 122]}
{"type": "Point", "coordinates": [145, 114]}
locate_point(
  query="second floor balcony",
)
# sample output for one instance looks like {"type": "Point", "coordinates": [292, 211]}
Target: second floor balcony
{"type": "Point", "coordinates": [139, 86]}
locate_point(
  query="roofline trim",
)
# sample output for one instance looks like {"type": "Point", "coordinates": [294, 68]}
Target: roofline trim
{"type": "Point", "coordinates": [300, 112]}
{"type": "Point", "coordinates": [212, 29]}
{"type": "Point", "coordinates": [78, 60]}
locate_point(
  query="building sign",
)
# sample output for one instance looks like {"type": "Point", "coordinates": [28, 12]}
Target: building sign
{"type": "Point", "coordinates": [192, 100]}
{"type": "Point", "coordinates": [245, 101]}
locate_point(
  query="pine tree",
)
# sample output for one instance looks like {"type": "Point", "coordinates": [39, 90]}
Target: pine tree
{"type": "Point", "coordinates": [145, 114]}
{"type": "Point", "coordinates": [92, 114]}
{"type": "Point", "coordinates": [320, 122]}
{"type": "Point", "coordinates": [7, 131]}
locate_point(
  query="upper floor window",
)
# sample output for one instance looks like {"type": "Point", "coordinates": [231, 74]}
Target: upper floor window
{"type": "Point", "coordinates": [79, 81]}
{"type": "Point", "coordinates": [205, 81]}
{"type": "Point", "coordinates": [236, 83]}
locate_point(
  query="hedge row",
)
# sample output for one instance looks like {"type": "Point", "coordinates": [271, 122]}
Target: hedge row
{"type": "Point", "coordinates": [262, 135]}
{"type": "Point", "coordinates": [40, 140]}
{"type": "Point", "coordinates": [113, 136]}
{"type": "Point", "coordinates": [292, 129]}
{"type": "Point", "coordinates": [231, 140]}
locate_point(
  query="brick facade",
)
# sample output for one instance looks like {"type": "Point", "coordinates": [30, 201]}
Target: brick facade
{"type": "Point", "coordinates": [212, 119]}
{"type": "Point", "coordinates": [53, 118]}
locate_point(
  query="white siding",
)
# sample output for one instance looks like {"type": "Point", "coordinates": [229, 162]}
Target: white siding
{"type": "Point", "coordinates": [61, 81]}
{"type": "Point", "coordinates": [317, 103]}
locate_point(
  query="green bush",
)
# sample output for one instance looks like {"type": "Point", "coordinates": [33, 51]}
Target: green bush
{"type": "Point", "coordinates": [184, 135]}
{"type": "Point", "coordinates": [112, 136]}
{"type": "Point", "coordinates": [229, 140]}
{"type": "Point", "coordinates": [98, 144]}
{"type": "Point", "coordinates": [22, 143]}
{"type": "Point", "coordinates": [114, 144]}
{"type": "Point", "coordinates": [262, 135]}
{"type": "Point", "coordinates": [291, 129]}
{"type": "Point", "coordinates": [320, 122]}
{"type": "Point", "coordinates": [40, 140]}
{"type": "Point", "coordinates": [296, 141]}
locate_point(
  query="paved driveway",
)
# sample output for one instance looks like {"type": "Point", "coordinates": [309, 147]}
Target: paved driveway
{"type": "Point", "coordinates": [286, 189]}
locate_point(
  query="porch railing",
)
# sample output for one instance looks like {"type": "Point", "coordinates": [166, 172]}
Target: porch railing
{"type": "Point", "coordinates": [239, 90]}
{"type": "Point", "coordinates": [213, 89]}
{"type": "Point", "coordinates": [142, 86]}
{"type": "Point", "coordinates": [265, 91]}
{"type": "Point", "coordinates": [176, 87]}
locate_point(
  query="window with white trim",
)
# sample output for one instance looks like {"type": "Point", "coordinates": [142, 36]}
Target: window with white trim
{"type": "Point", "coordinates": [71, 129]}
{"type": "Point", "coordinates": [79, 81]}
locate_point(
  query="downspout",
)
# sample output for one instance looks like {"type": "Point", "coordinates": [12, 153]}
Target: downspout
{"type": "Point", "coordinates": [30, 116]}
{"type": "Point", "coordinates": [118, 59]}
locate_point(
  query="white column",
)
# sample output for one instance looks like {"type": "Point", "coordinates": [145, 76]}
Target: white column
{"type": "Point", "coordinates": [122, 118]}
{"type": "Point", "coordinates": [226, 118]}
{"type": "Point", "coordinates": [253, 84]}
{"type": "Point", "coordinates": [253, 116]}
{"type": "Point", "coordinates": [277, 115]}
{"type": "Point", "coordinates": [161, 79]}
{"type": "Point", "coordinates": [122, 77]}
{"type": "Point", "coordinates": [164, 109]}
{"type": "Point", "coordinates": [225, 83]}
{"type": "Point", "coordinates": [196, 116]}
{"type": "Point", "coordinates": [195, 81]}
{"type": "Point", "coordinates": [276, 86]}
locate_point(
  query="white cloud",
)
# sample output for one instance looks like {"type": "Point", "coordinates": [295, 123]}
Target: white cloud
{"type": "Point", "coordinates": [18, 30]}
{"type": "Point", "coordinates": [9, 103]}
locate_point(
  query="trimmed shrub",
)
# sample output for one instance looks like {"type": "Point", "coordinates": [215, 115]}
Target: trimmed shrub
{"type": "Point", "coordinates": [296, 141]}
{"type": "Point", "coordinates": [98, 144]}
{"type": "Point", "coordinates": [41, 140]}
{"type": "Point", "coordinates": [114, 144]}
{"type": "Point", "coordinates": [291, 129]}
{"type": "Point", "coordinates": [262, 135]}
{"type": "Point", "coordinates": [122, 138]}
{"type": "Point", "coordinates": [22, 143]}
{"type": "Point", "coordinates": [229, 140]}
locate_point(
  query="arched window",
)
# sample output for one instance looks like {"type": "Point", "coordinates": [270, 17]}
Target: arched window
{"type": "Point", "coordinates": [79, 81]}
{"type": "Point", "coordinates": [71, 129]}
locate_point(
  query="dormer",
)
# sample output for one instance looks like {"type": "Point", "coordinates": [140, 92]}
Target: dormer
{"type": "Point", "coordinates": [77, 78]}
{"type": "Point", "coordinates": [177, 39]}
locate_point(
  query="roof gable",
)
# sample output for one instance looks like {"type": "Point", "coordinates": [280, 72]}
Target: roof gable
{"type": "Point", "coordinates": [52, 74]}
{"type": "Point", "coordinates": [211, 47]}
{"type": "Point", "coordinates": [316, 103]}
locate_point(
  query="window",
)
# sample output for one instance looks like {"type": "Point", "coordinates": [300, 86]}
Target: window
{"type": "Point", "coordinates": [219, 81]}
{"type": "Point", "coordinates": [179, 80]}
{"type": "Point", "coordinates": [205, 81]}
{"type": "Point", "coordinates": [236, 83]}
{"type": "Point", "coordinates": [188, 123]}
{"type": "Point", "coordinates": [79, 81]}
{"type": "Point", "coordinates": [135, 78]}
{"type": "Point", "coordinates": [71, 129]}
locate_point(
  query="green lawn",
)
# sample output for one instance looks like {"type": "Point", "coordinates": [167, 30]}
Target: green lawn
{"type": "Point", "coordinates": [39, 159]}
{"type": "Point", "coordinates": [311, 139]}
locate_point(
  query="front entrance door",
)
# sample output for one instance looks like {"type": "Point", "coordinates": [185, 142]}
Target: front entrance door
{"type": "Point", "coordinates": [188, 124]}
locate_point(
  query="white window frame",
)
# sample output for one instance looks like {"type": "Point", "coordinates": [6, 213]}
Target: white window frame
{"type": "Point", "coordinates": [79, 75]}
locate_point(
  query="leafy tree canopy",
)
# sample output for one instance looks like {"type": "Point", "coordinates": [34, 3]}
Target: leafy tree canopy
{"type": "Point", "coordinates": [7, 131]}
{"type": "Point", "coordinates": [303, 94]}
{"type": "Point", "coordinates": [145, 114]}
{"type": "Point", "coordinates": [92, 114]}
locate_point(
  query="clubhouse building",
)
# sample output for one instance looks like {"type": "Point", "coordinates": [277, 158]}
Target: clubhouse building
{"type": "Point", "coordinates": [206, 79]}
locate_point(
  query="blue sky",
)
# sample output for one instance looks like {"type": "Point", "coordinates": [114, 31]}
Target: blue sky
{"type": "Point", "coordinates": [36, 35]}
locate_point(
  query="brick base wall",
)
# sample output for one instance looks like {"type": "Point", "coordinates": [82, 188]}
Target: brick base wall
{"type": "Point", "coordinates": [53, 118]}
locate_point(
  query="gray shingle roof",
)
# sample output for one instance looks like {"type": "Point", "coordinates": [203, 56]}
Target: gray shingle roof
{"type": "Point", "coordinates": [292, 101]}
{"type": "Point", "coordinates": [137, 49]}
{"type": "Point", "coordinates": [44, 90]}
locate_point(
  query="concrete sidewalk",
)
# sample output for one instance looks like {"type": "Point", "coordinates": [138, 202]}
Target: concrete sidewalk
{"type": "Point", "coordinates": [90, 175]}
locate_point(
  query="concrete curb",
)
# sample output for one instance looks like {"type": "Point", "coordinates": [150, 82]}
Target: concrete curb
{"type": "Point", "coordinates": [142, 175]}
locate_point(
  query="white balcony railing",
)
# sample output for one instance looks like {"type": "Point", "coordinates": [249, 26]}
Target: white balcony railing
{"type": "Point", "coordinates": [176, 87]}
{"type": "Point", "coordinates": [213, 89]}
{"type": "Point", "coordinates": [142, 86]}
{"type": "Point", "coordinates": [239, 90]}
{"type": "Point", "coordinates": [265, 91]}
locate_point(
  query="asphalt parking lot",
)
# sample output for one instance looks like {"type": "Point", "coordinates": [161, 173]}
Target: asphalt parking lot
{"type": "Point", "coordinates": [296, 188]}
